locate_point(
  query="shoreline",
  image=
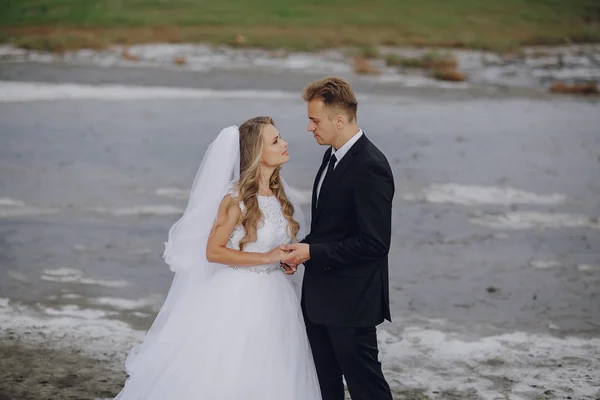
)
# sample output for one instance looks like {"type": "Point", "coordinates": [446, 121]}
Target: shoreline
{"type": "Point", "coordinates": [43, 40]}
{"type": "Point", "coordinates": [571, 69]}
{"type": "Point", "coordinates": [81, 355]}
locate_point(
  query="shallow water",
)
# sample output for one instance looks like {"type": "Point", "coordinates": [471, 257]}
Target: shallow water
{"type": "Point", "coordinates": [495, 216]}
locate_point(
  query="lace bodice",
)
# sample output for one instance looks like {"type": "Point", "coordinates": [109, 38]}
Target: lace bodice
{"type": "Point", "coordinates": [272, 231]}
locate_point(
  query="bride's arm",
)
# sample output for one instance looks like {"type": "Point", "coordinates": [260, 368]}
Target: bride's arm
{"type": "Point", "coordinates": [216, 248]}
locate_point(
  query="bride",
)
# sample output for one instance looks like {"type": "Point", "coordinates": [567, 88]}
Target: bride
{"type": "Point", "coordinates": [231, 327]}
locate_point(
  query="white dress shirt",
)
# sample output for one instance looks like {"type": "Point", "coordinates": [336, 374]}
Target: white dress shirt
{"type": "Point", "coordinates": [339, 154]}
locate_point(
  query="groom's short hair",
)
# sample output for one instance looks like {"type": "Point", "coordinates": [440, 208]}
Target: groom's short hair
{"type": "Point", "coordinates": [335, 93]}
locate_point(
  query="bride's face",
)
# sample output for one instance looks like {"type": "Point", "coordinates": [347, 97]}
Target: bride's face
{"type": "Point", "coordinates": [274, 147]}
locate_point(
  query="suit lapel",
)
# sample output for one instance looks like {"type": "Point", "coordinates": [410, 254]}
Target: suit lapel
{"type": "Point", "coordinates": [337, 174]}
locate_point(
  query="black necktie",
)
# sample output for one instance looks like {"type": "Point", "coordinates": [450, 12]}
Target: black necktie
{"type": "Point", "coordinates": [330, 167]}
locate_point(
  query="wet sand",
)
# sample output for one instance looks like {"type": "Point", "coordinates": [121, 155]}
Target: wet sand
{"type": "Point", "coordinates": [39, 372]}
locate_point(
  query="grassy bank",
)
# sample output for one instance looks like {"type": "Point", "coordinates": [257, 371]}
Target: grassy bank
{"type": "Point", "coordinates": [299, 24]}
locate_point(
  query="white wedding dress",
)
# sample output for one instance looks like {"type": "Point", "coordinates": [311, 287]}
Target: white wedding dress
{"type": "Point", "coordinates": [241, 337]}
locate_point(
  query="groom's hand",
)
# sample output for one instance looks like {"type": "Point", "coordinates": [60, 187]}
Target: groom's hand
{"type": "Point", "coordinates": [288, 269]}
{"type": "Point", "coordinates": [298, 253]}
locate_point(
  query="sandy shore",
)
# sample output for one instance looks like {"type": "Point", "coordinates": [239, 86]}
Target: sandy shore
{"type": "Point", "coordinates": [76, 353]}
{"type": "Point", "coordinates": [36, 372]}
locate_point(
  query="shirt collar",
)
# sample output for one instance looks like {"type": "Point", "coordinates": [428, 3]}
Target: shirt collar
{"type": "Point", "coordinates": [341, 152]}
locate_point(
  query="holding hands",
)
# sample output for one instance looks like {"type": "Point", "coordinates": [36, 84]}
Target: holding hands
{"type": "Point", "coordinates": [296, 254]}
{"type": "Point", "coordinates": [290, 256]}
{"type": "Point", "coordinates": [277, 255]}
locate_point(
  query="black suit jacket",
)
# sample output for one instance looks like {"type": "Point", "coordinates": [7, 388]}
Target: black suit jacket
{"type": "Point", "coordinates": [346, 279]}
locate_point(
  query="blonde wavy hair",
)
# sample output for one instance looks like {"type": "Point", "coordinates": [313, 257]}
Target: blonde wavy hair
{"type": "Point", "coordinates": [251, 147]}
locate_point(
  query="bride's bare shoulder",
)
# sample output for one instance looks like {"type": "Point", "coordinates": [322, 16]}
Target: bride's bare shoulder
{"type": "Point", "coordinates": [230, 206]}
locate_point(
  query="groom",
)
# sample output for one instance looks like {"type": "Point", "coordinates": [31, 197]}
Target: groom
{"type": "Point", "coordinates": [345, 291]}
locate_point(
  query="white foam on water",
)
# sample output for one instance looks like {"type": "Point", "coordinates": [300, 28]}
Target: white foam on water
{"type": "Point", "coordinates": [435, 361]}
{"type": "Point", "coordinates": [76, 311]}
{"type": "Point", "coordinates": [121, 303]}
{"type": "Point", "coordinates": [71, 296]}
{"type": "Point", "coordinates": [62, 275]}
{"type": "Point", "coordinates": [17, 208]}
{"type": "Point", "coordinates": [141, 314]}
{"type": "Point", "coordinates": [65, 279]}
{"type": "Point", "coordinates": [106, 283]}
{"type": "Point", "coordinates": [62, 272]}
{"type": "Point", "coordinates": [38, 91]}
{"type": "Point", "coordinates": [9, 50]}
{"type": "Point", "coordinates": [70, 327]}
{"type": "Point", "coordinates": [7, 202]}
{"type": "Point", "coordinates": [70, 275]}
{"type": "Point", "coordinates": [173, 193]}
{"type": "Point", "coordinates": [545, 264]}
{"type": "Point", "coordinates": [141, 210]}
{"type": "Point", "coordinates": [534, 220]}
{"type": "Point", "coordinates": [472, 195]}
{"type": "Point", "coordinates": [588, 268]}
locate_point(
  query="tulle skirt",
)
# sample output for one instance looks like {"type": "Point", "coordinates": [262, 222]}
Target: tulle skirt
{"type": "Point", "coordinates": [240, 337]}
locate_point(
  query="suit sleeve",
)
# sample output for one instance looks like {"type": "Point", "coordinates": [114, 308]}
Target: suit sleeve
{"type": "Point", "coordinates": [306, 239]}
{"type": "Point", "coordinates": [372, 200]}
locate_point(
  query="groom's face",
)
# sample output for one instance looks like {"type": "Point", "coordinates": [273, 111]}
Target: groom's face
{"type": "Point", "coordinates": [320, 122]}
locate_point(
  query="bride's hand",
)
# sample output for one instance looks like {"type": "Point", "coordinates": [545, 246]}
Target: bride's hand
{"type": "Point", "coordinates": [275, 255]}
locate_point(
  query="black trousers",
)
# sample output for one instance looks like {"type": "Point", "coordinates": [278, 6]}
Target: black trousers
{"type": "Point", "coordinates": [351, 352]}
